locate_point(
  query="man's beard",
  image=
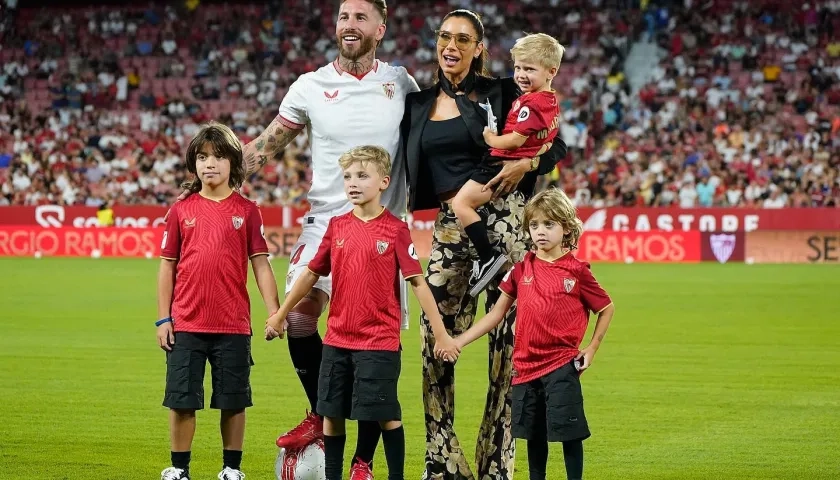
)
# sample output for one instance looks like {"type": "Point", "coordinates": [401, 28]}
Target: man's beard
{"type": "Point", "coordinates": [366, 45]}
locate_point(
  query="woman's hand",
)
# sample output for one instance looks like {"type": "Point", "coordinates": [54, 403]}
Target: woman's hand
{"type": "Point", "coordinates": [510, 176]}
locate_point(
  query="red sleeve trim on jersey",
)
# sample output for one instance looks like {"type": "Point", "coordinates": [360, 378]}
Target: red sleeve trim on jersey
{"type": "Point", "coordinates": [169, 258]}
{"type": "Point", "coordinates": [288, 123]}
{"type": "Point", "coordinates": [314, 272]}
{"type": "Point", "coordinates": [509, 295]}
{"type": "Point", "coordinates": [607, 306]}
{"type": "Point", "coordinates": [412, 276]}
{"type": "Point", "coordinates": [258, 254]}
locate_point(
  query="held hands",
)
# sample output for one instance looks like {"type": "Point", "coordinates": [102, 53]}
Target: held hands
{"type": "Point", "coordinates": [447, 349]}
{"type": "Point", "coordinates": [275, 326]}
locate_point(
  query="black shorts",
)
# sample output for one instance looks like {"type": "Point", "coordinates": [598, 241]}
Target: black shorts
{"type": "Point", "coordinates": [359, 384]}
{"type": "Point", "coordinates": [486, 170]}
{"type": "Point", "coordinates": [230, 367]}
{"type": "Point", "coordinates": [550, 407]}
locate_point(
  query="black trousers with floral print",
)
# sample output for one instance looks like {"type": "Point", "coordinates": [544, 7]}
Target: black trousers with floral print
{"type": "Point", "coordinates": [450, 267]}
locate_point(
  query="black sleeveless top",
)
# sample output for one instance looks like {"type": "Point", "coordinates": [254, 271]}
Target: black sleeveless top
{"type": "Point", "coordinates": [450, 153]}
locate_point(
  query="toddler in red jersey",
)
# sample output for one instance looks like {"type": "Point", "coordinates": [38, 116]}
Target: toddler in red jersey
{"type": "Point", "coordinates": [554, 293]}
{"type": "Point", "coordinates": [529, 131]}
{"type": "Point", "coordinates": [203, 298]}
{"type": "Point", "coordinates": [364, 250]}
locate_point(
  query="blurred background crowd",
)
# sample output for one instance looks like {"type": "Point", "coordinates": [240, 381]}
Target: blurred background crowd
{"type": "Point", "coordinates": [688, 103]}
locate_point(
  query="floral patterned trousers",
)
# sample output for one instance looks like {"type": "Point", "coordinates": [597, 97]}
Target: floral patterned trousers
{"type": "Point", "coordinates": [450, 267]}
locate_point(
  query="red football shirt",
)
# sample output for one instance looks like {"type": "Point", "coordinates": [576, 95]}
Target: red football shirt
{"type": "Point", "coordinates": [533, 115]}
{"type": "Point", "coordinates": [365, 259]}
{"type": "Point", "coordinates": [212, 242]}
{"type": "Point", "coordinates": [553, 301]}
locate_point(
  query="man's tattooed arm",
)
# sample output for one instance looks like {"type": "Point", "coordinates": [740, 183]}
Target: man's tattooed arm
{"type": "Point", "coordinates": [270, 142]}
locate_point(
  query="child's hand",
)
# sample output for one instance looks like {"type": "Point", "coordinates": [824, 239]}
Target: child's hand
{"type": "Point", "coordinates": [584, 357]}
{"type": "Point", "coordinates": [489, 134]}
{"type": "Point", "coordinates": [275, 326]}
{"type": "Point", "coordinates": [166, 336]}
{"type": "Point", "coordinates": [447, 349]}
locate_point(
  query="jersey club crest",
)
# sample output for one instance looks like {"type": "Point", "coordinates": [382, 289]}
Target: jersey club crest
{"type": "Point", "coordinates": [389, 88]}
{"type": "Point", "coordinates": [568, 284]}
{"type": "Point", "coordinates": [381, 246]}
{"type": "Point", "coordinates": [237, 222]}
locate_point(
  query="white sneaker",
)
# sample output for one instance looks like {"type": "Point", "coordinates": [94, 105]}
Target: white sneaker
{"type": "Point", "coordinates": [484, 273]}
{"type": "Point", "coordinates": [173, 473]}
{"type": "Point", "coordinates": [231, 474]}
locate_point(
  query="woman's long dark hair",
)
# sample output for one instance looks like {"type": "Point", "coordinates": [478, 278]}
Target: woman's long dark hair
{"type": "Point", "coordinates": [478, 65]}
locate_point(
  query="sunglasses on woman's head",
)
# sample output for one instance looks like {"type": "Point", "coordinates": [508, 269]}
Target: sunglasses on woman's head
{"type": "Point", "coordinates": [462, 40]}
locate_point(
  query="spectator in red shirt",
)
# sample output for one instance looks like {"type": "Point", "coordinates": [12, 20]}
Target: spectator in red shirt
{"type": "Point", "coordinates": [555, 292]}
{"type": "Point", "coordinates": [364, 250]}
{"type": "Point", "coordinates": [208, 240]}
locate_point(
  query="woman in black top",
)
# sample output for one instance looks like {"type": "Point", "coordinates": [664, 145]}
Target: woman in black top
{"type": "Point", "coordinates": [443, 144]}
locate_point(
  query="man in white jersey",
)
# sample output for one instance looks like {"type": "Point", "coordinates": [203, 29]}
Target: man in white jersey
{"type": "Point", "coordinates": [356, 100]}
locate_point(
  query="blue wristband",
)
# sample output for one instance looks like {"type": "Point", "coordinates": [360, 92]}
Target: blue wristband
{"type": "Point", "coordinates": [162, 321]}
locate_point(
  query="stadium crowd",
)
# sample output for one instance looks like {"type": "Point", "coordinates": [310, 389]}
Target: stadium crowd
{"type": "Point", "coordinates": [97, 104]}
{"type": "Point", "coordinates": [743, 110]}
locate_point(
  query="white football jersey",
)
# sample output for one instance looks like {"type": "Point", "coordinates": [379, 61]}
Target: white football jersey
{"type": "Point", "coordinates": [341, 112]}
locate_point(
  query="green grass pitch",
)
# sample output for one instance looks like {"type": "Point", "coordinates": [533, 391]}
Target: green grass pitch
{"type": "Point", "coordinates": [708, 372]}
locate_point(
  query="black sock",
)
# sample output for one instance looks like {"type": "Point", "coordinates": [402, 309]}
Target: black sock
{"type": "Point", "coordinates": [232, 459]}
{"type": "Point", "coordinates": [573, 455]}
{"type": "Point", "coordinates": [367, 441]}
{"type": "Point", "coordinates": [537, 459]}
{"type": "Point", "coordinates": [394, 443]}
{"type": "Point", "coordinates": [334, 456]}
{"type": "Point", "coordinates": [478, 236]}
{"type": "Point", "coordinates": [306, 358]}
{"type": "Point", "coordinates": [181, 460]}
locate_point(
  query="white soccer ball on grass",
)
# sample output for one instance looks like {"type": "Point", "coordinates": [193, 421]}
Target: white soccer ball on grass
{"type": "Point", "coordinates": [306, 463]}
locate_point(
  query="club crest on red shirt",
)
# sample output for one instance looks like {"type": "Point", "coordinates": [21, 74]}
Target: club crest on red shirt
{"type": "Point", "coordinates": [237, 222]}
{"type": "Point", "coordinates": [568, 284]}
{"type": "Point", "coordinates": [381, 246]}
